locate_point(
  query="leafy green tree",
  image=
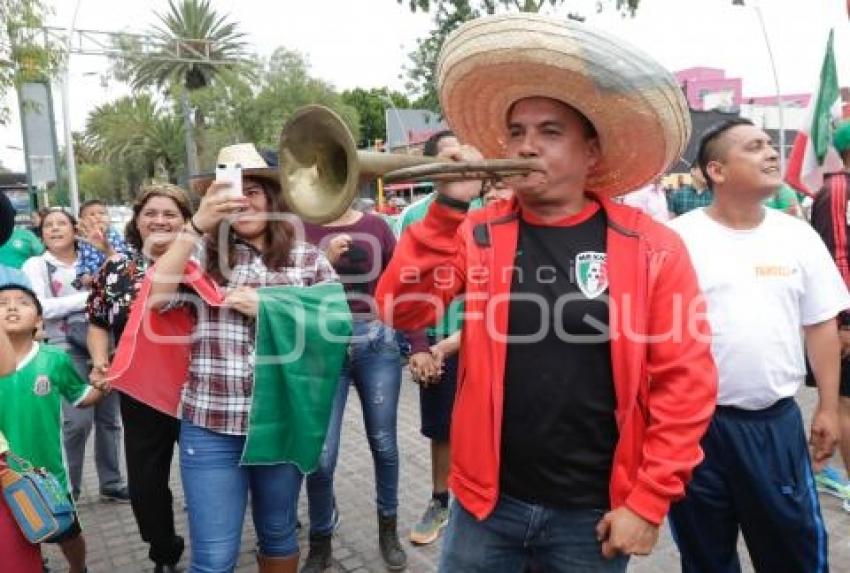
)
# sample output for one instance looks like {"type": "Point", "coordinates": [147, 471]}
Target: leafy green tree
{"type": "Point", "coordinates": [195, 46]}
{"type": "Point", "coordinates": [137, 139]}
{"type": "Point", "coordinates": [492, 6]}
{"type": "Point", "coordinates": [83, 153]}
{"type": "Point", "coordinates": [25, 55]}
{"type": "Point", "coordinates": [448, 15]}
{"type": "Point", "coordinates": [98, 181]}
{"type": "Point", "coordinates": [422, 81]}
{"type": "Point", "coordinates": [371, 106]}
{"type": "Point", "coordinates": [242, 111]}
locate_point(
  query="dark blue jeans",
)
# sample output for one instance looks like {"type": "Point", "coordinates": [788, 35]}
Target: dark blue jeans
{"type": "Point", "coordinates": [373, 367]}
{"type": "Point", "coordinates": [216, 489]}
{"type": "Point", "coordinates": [558, 540]}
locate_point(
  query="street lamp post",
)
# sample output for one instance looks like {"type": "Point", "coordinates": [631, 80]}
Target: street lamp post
{"type": "Point", "coordinates": [71, 164]}
{"type": "Point", "coordinates": [779, 103]}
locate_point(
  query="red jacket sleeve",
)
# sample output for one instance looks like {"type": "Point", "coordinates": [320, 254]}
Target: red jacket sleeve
{"type": "Point", "coordinates": [426, 272]}
{"type": "Point", "coordinates": [682, 391]}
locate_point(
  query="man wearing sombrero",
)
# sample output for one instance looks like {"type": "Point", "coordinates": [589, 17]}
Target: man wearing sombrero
{"type": "Point", "coordinates": [586, 380]}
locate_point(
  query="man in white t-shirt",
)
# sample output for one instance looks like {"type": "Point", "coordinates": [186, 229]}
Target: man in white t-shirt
{"type": "Point", "coordinates": [771, 286]}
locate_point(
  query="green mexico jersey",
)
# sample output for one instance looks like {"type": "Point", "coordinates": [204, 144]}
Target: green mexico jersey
{"type": "Point", "coordinates": [31, 406]}
{"type": "Point", "coordinates": [22, 245]}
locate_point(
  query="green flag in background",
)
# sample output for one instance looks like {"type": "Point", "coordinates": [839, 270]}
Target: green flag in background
{"type": "Point", "coordinates": [302, 341]}
{"type": "Point", "coordinates": [827, 97]}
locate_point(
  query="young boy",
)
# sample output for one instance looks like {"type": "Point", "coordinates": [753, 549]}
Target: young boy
{"type": "Point", "coordinates": [30, 399]}
{"type": "Point", "coordinates": [101, 241]}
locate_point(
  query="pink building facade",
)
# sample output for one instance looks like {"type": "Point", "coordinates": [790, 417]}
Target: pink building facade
{"type": "Point", "coordinates": [788, 100]}
{"type": "Point", "coordinates": [709, 88]}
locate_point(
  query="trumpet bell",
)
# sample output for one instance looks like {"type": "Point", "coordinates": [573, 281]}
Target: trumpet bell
{"type": "Point", "coordinates": [319, 171]}
{"type": "Point", "coordinates": [321, 167]}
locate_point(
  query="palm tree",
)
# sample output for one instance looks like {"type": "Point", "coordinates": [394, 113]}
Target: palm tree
{"type": "Point", "coordinates": [137, 138]}
{"type": "Point", "coordinates": [193, 46]}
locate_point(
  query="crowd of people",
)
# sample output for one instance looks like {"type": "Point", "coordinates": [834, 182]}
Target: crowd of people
{"type": "Point", "coordinates": [591, 362]}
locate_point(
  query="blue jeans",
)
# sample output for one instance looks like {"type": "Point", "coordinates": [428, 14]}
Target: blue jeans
{"type": "Point", "coordinates": [557, 540]}
{"type": "Point", "coordinates": [216, 489]}
{"type": "Point", "coordinates": [77, 424]}
{"type": "Point", "coordinates": [373, 366]}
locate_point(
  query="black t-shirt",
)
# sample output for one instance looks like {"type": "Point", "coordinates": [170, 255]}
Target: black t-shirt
{"type": "Point", "coordinates": [558, 429]}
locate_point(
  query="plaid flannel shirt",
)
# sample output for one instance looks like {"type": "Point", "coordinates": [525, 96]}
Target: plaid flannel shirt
{"type": "Point", "coordinates": [687, 199]}
{"type": "Point", "coordinates": [218, 394]}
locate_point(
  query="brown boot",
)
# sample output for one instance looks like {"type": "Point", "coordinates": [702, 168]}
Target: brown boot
{"type": "Point", "coordinates": [278, 564]}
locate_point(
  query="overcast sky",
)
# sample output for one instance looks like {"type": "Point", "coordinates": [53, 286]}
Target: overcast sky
{"type": "Point", "coordinates": [364, 43]}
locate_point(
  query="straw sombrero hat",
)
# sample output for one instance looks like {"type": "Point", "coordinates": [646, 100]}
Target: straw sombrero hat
{"type": "Point", "coordinates": [636, 106]}
{"type": "Point", "coordinates": [245, 154]}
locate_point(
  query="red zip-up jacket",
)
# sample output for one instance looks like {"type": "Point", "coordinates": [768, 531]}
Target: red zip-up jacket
{"type": "Point", "coordinates": [664, 376]}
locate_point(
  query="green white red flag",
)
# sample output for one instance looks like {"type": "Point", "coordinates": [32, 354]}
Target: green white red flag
{"type": "Point", "coordinates": [302, 336]}
{"type": "Point", "coordinates": [813, 154]}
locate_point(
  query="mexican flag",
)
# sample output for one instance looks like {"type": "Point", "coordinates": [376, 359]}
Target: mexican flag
{"type": "Point", "coordinates": [302, 336]}
{"type": "Point", "coordinates": [301, 345]}
{"type": "Point", "coordinates": [813, 154]}
{"type": "Point", "coordinates": [159, 338]}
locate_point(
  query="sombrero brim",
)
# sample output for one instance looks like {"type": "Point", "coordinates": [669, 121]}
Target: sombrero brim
{"type": "Point", "coordinates": [201, 182]}
{"type": "Point", "coordinates": [636, 106]}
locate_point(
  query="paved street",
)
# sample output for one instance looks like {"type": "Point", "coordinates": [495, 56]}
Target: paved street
{"type": "Point", "coordinates": [114, 545]}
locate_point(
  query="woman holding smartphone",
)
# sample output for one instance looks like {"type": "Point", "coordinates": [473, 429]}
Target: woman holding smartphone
{"type": "Point", "coordinates": [255, 248]}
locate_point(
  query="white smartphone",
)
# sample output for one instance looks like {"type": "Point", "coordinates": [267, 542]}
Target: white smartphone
{"type": "Point", "coordinates": [230, 173]}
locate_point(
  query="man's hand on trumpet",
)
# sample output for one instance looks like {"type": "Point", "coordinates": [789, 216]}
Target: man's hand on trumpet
{"type": "Point", "coordinates": [463, 191]}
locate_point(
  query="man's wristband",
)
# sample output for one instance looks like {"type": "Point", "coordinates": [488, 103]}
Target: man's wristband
{"type": "Point", "coordinates": [452, 203]}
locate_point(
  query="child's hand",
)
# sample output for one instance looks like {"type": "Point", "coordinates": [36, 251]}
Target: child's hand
{"type": "Point", "coordinates": [95, 235]}
{"type": "Point", "coordinates": [97, 378]}
{"type": "Point", "coordinates": [102, 387]}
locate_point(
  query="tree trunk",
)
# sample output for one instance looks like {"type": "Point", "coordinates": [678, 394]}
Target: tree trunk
{"type": "Point", "coordinates": [191, 157]}
{"type": "Point", "coordinates": [200, 134]}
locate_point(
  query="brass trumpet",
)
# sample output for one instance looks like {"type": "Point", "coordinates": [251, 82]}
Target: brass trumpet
{"type": "Point", "coordinates": [321, 167]}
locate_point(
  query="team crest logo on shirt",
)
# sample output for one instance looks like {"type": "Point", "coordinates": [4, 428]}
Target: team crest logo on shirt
{"type": "Point", "coordinates": [591, 273]}
{"type": "Point", "coordinates": [42, 385]}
